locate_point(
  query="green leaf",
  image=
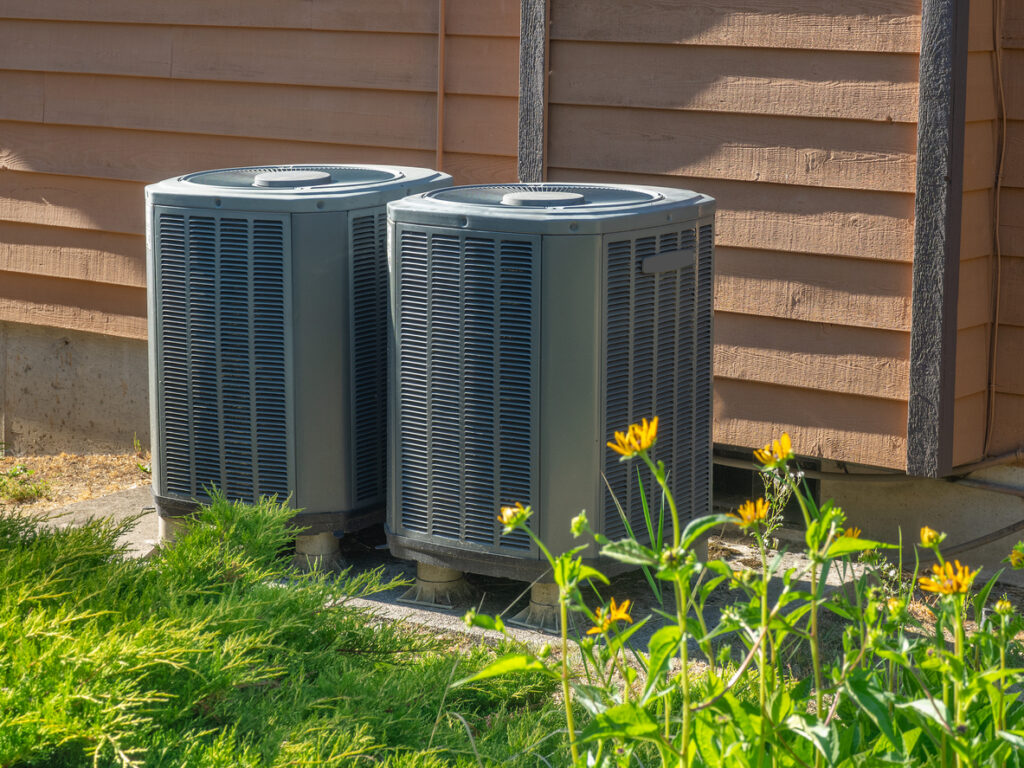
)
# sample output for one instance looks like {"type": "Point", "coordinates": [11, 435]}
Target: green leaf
{"type": "Point", "coordinates": [931, 710]}
{"type": "Point", "coordinates": [514, 662]}
{"type": "Point", "coordinates": [586, 572]}
{"type": "Point", "coordinates": [626, 721]}
{"type": "Point", "coordinates": [847, 545]}
{"type": "Point", "coordinates": [866, 691]}
{"type": "Point", "coordinates": [982, 597]}
{"type": "Point", "coordinates": [663, 645]}
{"type": "Point", "coordinates": [817, 734]}
{"type": "Point", "coordinates": [696, 527]}
{"type": "Point", "coordinates": [629, 551]}
{"type": "Point", "coordinates": [1015, 738]}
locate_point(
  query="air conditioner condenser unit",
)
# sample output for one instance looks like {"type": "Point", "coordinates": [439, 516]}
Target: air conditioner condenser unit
{"type": "Point", "coordinates": [267, 337]}
{"type": "Point", "coordinates": [529, 322]}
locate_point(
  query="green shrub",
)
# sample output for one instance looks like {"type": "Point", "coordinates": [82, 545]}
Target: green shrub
{"type": "Point", "coordinates": [895, 692]}
{"type": "Point", "coordinates": [216, 652]}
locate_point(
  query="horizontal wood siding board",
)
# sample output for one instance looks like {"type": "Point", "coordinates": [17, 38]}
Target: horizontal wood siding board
{"type": "Point", "coordinates": [496, 17]}
{"type": "Point", "coordinates": [96, 307]}
{"type": "Point", "coordinates": [858, 25]}
{"type": "Point", "coordinates": [480, 169]}
{"type": "Point", "coordinates": [127, 155]}
{"type": "Point", "coordinates": [979, 156]}
{"type": "Point", "coordinates": [769, 81]}
{"type": "Point", "coordinates": [1013, 62]}
{"type": "Point", "coordinates": [69, 201]}
{"type": "Point", "coordinates": [816, 356]}
{"type": "Point", "coordinates": [981, 98]}
{"type": "Point", "coordinates": [972, 360]}
{"type": "Point", "coordinates": [940, 143]}
{"type": "Point", "coordinates": [974, 298]}
{"type": "Point", "coordinates": [24, 95]}
{"type": "Point", "coordinates": [969, 417]}
{"type": "Point", "coordinates": [98, 257]}
{"type": "Point", "coordinates": [839, 222]}
{"type": "Point", "coordinates": [1010, 360]}
{"type": "Point", "coordinates": [1011, 307]}
{"type": "Point", "coordinates": [820, 153]}
{"type": "Point", "coordinates": [976, 239]}
{"type": "Point", "coordinates": [482, 66]}
{"type": "Point", "coordinates": [863, 430]}
{"type": "Point", "coordinates": [1008, 427]}
{"type": "Point", "coordinates": [1013, 163]}
{"type": "Point", "coordinates": [483, 125]}
{"type": "Point", "coordinates": [979, 34]}
{"type": "Point", "coordinates": [814, 288]}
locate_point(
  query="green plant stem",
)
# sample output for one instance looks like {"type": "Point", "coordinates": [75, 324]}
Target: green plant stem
{"type": "Point", "coordinates": [566, 693]}
{"type": "Point", "coordinates": [763, 677]}
{"type": "Point", "coordinates": [958, 649]}
{"type": "Point", "coordinates": [682, 600]}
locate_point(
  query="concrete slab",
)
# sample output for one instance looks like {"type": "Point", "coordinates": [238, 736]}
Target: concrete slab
{"type": "Point", "coordinates": [142, 539]}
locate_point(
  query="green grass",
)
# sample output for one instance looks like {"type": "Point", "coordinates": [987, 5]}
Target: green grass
{"type": "Point", "coordinates": [18, 484]}
{"type": "Point", "coordinates": [216, 653]}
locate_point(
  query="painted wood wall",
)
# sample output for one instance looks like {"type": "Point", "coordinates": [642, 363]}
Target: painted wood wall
{"type": "Point", "coordinates": [975, 295]}
{"type": "Point", "coordinates": [800, 117]}
{"type": "Point", "coordinates": [1007, 433]}
{"type": "Point", "coordinates": [99, 98]}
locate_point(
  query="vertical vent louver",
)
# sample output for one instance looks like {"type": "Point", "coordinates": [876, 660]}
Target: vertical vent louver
{"type": "Point", "coordinates": [223, 302]}
{"type": "Point", "coordinates": [369, 353]}
{"type": "Point", "coordinates": [704, 372]}
{"type": "Point", "coordinates": [649, 359]}
{"type": "Point", "coordinates": [467, 364]}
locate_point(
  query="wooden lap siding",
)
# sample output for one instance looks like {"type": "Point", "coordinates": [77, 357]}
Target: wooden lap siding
{"type": "Point", "coordinates": [101, 98]}
{"type": "Point", "coordinates": [1008, 421]}
{"type": "Point", "coordinates": [799, 116]}
{"type": "Point", "coordinates": [975, 296]}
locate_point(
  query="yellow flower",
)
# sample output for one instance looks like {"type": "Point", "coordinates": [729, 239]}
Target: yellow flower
{"type": "Point", "coordinates": [895, 605]}
{"type": "Point", "coordinates": [776, 453]}
{"type": "Point", "coordinates": [510, 517]}
{"type": "Point", "coordinates": [1017, 558]}
{"type": "Point", "coordinates": [930, 537]}
{"type": "Point", "coordinates": [637, 439]}
{"type": "Point", "coordinates": [1003, 607]}
{"type": "Point", "coordinates": [750, 512]}
{"type": "Point", "coordinates": [604, 620]}
{"type": "Point", "coordinates": [948, 579]}
{"type": "Point", "coordinates": [853, 532]}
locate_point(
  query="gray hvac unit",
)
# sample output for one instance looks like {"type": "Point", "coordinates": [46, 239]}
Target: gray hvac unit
{"type": "Point", "coordinates": [529, 323]}
{"type": "Point", "coordinates": [267, 336]}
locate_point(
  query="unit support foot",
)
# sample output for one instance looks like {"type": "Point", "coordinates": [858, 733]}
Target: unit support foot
{"type": "Point", "coordinates": [437, 587]}
{"type": "Point", "coordinates": [542, 612]}
{"type": "Point", "coordinates": [318, 551]}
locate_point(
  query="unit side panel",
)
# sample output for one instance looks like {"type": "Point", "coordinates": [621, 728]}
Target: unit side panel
{"type": "Point", "coordinates": [223, 359]}
{"type": "Point", "coordinates": [466, 363]}
{"type": "Point", "coordinates": [571, 441]}
{"type": "Point", "coordinates": [321, 343]}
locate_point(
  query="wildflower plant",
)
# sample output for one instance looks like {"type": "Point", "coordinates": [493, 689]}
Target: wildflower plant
{"type": "Point", "coordinates": [895, 692]}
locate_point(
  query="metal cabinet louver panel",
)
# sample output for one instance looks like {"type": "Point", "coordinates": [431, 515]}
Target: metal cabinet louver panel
{"type": "Point", "coordinates": [268, 330]}
{"type": "Point", "coordinates": [222, 296]}
{"type": "Point", "coordinates": [650, 366]}
{"type": "Point", "coordinates": [465, 372]}
{"type": "Point", "coordinates": [369, 352]}
{"type": "Point", "coordinates": [531, 322]}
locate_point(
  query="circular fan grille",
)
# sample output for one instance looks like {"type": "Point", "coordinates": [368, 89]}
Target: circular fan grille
{"type": "Point", "coordinates": [340, 175]}
{"type": "Point", "coordinates": [511, 195]}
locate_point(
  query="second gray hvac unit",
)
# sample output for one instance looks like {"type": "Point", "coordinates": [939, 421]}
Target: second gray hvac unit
{"type": "Point", "coordinates": [267, 327]}
{"type": "Point", "coordinates": [529, 323]}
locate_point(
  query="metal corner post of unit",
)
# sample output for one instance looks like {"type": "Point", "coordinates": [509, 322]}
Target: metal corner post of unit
{"type": "Point", "coordinates": [937, 225]}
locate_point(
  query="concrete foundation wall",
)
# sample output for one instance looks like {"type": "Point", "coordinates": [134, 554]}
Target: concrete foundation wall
{"type": "Point", "coordinates": [70, 391]}
{"type": "Point", "coordinates": [881, 510]}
